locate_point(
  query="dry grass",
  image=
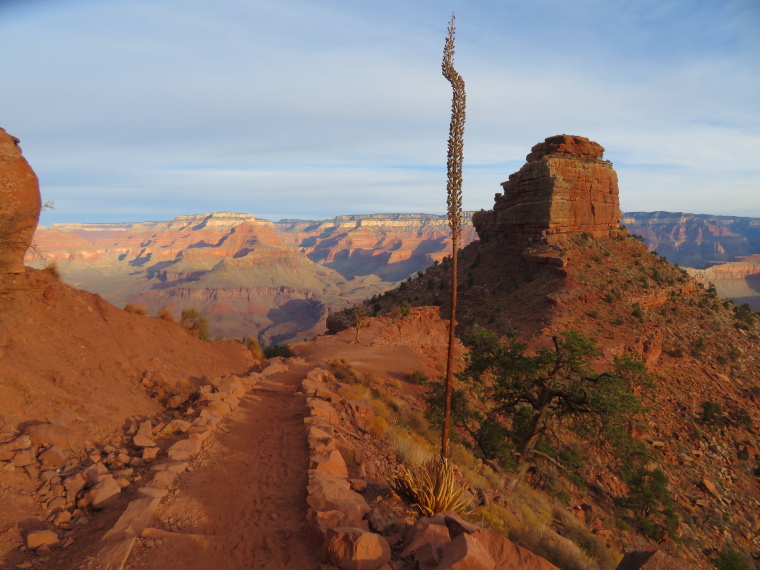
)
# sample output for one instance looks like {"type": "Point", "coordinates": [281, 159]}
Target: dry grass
{"type": "Point", "coordinates": [394, 383]}
{"type": "Point", "coordinates": [377, 427]}
{"type": "Point", "coordinates": [412, 449]}
{"type": "Point", "coordinates": [135, 309]}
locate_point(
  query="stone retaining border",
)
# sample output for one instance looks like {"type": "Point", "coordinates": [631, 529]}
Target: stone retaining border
{"type": "Point", "coordinates": [336, 511]}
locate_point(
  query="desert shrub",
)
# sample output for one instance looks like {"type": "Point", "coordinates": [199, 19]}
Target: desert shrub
{"type": "Point", "coordinates": [363, 392]}
{"type": "Point", "coordinates": [382, 410]}
{"type": "Point", "coordinates": [744, 315]}
{"type": "Point", "coordinates": [739, 417]}
{"type": "Point", "coordinates": [254, 347]}
{"type": "Point", "coordinates": [51, 268]}
{"type": "Point", "coordinates": [405, 308]}
{"type": "Point", "coordinates": [638, 313]}
{"type": "Point", "coordinates": [612, 296]}
{"type": "Point", "coordinates": [343, 371]}
{"type": "Point", "coordinates": [417, 377]}
{"type": "Point", "coordinates": [165, 315]}
{"type": "Point", "coordinates": [377, 427]}
{"type": "Point", "coordinates": [394, 383]}
{"type": "Point", "coordinates": [649, 498]}
{"type": "Point", "coordinates": [188, 316]}
{"type": "Point", "coordinates": [192, 320]}
{"type": "Point", "coordinates": [730, 559]}
{"type": "Point", "coordinates": [412, 449]}
{"type": "Point", "coordinates": [712, 415]}
{"type": "Point", "coordinates": [135, 309]}
{"type": "Point", "coordinates": [275, 350]}
{"type": "Point", "coordinates": [697, 348]}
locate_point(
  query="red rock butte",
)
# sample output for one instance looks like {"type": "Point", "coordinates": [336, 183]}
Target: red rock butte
{"type": "Point", "coordinates": [564, 189]}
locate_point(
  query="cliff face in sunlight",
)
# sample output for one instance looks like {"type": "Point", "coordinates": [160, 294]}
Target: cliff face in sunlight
{"type": "Point", "coordinates": [248, 276]}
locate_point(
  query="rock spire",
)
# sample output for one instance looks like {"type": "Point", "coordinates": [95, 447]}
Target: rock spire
{"type": "Point", "coordinates": [564, 189]}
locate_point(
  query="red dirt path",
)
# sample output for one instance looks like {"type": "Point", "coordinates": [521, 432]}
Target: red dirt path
{"type": "Point", "coordinates": [244, 503]}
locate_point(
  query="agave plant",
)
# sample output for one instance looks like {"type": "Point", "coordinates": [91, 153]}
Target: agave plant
{"type": "Point", "coordinates": [432, 487]}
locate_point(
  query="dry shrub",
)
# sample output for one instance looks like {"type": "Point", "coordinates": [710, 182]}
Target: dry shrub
{"type": "Point", "coordinates": [254, 348]}
{"type": "Point", "coordinates": [594, 546]}
{"type": "Point", "coordinates": [165, 315]}
{"type": "Point", "coordinates": [394, 383]}
{"type": "Point", "coordinates": [343, 371]}
{"type": "Point", "coordinates": [496, 518]}
{"type": "Point", "coordinates": [372, 380]}
{"type": "Point", "coordinates": [363, 392]}
{"type": "Point", "coordinates": [411, 449]}
{"type": "Point", "coordinates": [348, 393]}
{"type": "Point", "coordinates": [462, 456]}
{"type": "Point", "coordinates": [377, 427]}
{"type": "Point", "coordinates": [382, 410]}
{"type": "Point", "coordinates": [52, 269]}
{"type": "Point", "coordinates": [135, 309]}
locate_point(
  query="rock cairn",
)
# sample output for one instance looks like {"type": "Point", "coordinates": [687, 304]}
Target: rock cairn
{"type": "Point", "coordinates": [564, 189]}
{"type": "Point", "coordinates": [20, 205]}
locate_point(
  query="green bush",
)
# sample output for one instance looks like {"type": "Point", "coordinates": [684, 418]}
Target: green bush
{"type": "Point", "coordinates": [712, 415]}
{"type": "Point", "coordinates": [730, 559]}
{"type": "Point", "coordinates": [275, 350]}
{"type": "Point", "coordinates": [418, 377]}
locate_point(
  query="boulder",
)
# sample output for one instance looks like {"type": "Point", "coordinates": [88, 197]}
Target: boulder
{"type": "Point", "coordinates": [356, 549]}
{"type": "Point", "coordinates": [104, 492]}
{"type": "Point", "coordinates": [426, 531]}
{"type": "Point", "coordinates": [330, 493]}
{"type": "Point", "coordinates": [20, 205]}
{"type": "Point", "coordinates": [184, 449]}
{"type": "Point", "coordinates": [141, 440]}
{"type": "Point", "coordinates": [465, 552]}
{"type": "Point", "coordinates": [52, 434]}
{"type": "Point", "coordinates": [330, 462]}
{"type": "Point", "coordinates": [506, 554]}
{"type": "Point", "coordinates": [52, 458]}
{"type": "Point", "coordinates": [37, 538]}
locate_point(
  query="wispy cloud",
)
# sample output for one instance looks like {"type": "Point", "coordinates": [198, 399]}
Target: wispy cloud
{"type": "Point", "coordinates": [133, 108]}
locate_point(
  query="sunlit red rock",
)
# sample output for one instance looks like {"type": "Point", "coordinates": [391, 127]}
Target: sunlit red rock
{"type": "Point", "coordinates": [20, 204]}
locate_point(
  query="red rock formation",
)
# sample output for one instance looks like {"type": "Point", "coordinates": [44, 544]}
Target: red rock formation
{"type": "Point", "coordinates": [564, 189]}
{"type": "Point", "coordinates": [19, 205]}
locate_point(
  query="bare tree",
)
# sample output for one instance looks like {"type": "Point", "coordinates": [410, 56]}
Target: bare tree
{"type": "Point", "coordinates": [454, 201]}
{"type": "Point", "coordinates": [361, 313]}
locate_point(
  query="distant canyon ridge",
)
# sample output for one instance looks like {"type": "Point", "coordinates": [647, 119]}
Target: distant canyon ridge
{"type": "Point", "coordinates": [280, 280]}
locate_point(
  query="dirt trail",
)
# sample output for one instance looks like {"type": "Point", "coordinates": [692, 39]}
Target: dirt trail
{"type": "Point", "coordinates": [244, 503]}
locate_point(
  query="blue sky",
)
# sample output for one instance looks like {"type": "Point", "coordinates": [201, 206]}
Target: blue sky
{"type": "Point", "coordinates": [145, 109]}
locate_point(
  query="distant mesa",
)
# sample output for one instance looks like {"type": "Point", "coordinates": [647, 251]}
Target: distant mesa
{"type": "Point", "coordinates": [20, 205]}
{"type": "Point", "coordinates": [564, 189]}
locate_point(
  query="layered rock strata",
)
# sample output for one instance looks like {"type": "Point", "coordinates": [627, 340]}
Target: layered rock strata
{"type": "Point", "coordinates": [20, 204]}
{"type": "Point", "coordinates": [564, 189]}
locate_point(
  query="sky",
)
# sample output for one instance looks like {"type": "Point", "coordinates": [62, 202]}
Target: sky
{"type": "Point", "coordinates": [132, 110]}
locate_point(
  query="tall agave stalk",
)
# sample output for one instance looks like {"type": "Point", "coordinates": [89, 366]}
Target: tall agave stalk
{"type": "Point", "coordinates": [454, 201]}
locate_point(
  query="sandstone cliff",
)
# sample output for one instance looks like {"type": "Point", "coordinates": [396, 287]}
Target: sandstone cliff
{"type": "Point", "coordinates": [694, 240]}
{"type": "Point", "coordinates": [564, 189]}
{"type": "Point", "coordinates": [249, 276]}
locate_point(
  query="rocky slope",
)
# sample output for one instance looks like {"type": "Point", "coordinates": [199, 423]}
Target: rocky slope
{"type": "Point", "coordinates": [73, 369]}
{"type": "Point", "coordinates": [700, 351]}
